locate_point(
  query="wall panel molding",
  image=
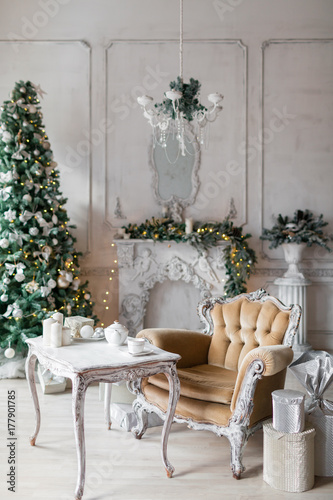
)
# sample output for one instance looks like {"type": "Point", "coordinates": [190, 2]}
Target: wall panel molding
{"type": "Point", "coordinates": [319, 44]}
{"type": "Point", "coordinates": [166, 47]}
{"type": "Point", "coordinates": [63, 69]}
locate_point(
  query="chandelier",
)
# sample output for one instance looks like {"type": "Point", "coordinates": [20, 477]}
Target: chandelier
{"type": "Point", "coordinates": [181, 109]}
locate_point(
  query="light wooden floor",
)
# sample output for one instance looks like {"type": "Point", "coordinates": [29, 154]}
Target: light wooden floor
{"type": "Point", "coordinates": [121, 468]}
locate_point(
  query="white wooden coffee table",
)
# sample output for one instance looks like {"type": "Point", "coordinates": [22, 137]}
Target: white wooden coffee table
{"type": "Point", "coordinates": [97, 361]}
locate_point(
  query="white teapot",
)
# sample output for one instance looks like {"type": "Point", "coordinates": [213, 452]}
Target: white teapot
{"type": "Point", "coordinates": [116, 334]}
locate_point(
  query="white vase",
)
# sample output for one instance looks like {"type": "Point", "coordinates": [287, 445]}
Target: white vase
{"type": "Point", "coordinates": [293, 256]}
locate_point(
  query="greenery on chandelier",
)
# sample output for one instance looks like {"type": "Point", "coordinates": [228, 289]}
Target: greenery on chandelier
{"type": "Point", "coordinates": [189, 104]}
{"type": "Point", "coordinates": [39, 268]}
{"type": "Point", "coordinates": [303, 227]}
{"type": "Point", "coordinates": [238, 256]}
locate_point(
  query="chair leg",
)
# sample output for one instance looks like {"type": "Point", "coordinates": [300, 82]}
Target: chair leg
{"type": "Point", "coordinates": [238, 439]}
{"type": "Point", "coordinates": [142, 420]}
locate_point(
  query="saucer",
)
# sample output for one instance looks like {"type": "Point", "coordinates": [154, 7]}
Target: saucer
{"type": "Point", "coordinates": [143, 353]}
{"type": "Point", "coordinates": [89, 338]}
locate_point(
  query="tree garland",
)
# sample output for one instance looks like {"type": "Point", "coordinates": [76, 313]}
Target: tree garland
{"type": "Point", "coordinates": [239, 257]}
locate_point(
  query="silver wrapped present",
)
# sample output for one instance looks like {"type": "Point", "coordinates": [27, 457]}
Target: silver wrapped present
{"type": "Point", "coordinates": [289, 459]}
{"type": "Point", "coordinates": [75, 323]}
{"type": "Point", "coordinates": [288, 411]}
{"type": "Point", "coordinates": [314, 370]}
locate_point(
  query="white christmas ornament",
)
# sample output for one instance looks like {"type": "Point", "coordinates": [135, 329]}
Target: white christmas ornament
{"type": "Point", "coordinates": [36, 152]}
{"type": "Point", "coordinates": [9, 353]}
{"type": "Point", "coordinates": [51, 283]}
{"type": "Point", "coordinates": [6, 281]}
{"type": "Point", "coordinates": [33, 231]}
{"type": "Point", "coordinates": [10, 215]}
{"type": "Point", "coordinates": [86, 331]}
{"type": "Point", "coordinates": [7, 137]}
{"type": "Point", "coordinates": [45, 144]}
{"type": "Point", "coordinates": [23, 90]}
{"type": "Point", "coordinates": [54, 219]}
{"type": "Point", "coordinates": [87, 296]}
{"type": "Point", "coordinates": [32, 108]}
{"type": "Point", "coordinates": [19, 277]}
{"type": "Point", "coordinates": [27, 198]}
{"type": "Point", "coordinates": [4, 243]}
{"type": "Point", "coordinates": [55, 241]}
{"type": "Point", "coordinates": [7, 149]}
{"type": "Point", "coordinates": [4, 298]}
{"type": "Point", "coordinates": [16, 116]}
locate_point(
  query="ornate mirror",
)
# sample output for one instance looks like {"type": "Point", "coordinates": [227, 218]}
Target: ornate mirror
{"type": "Point", "coordinates": [175, 178]}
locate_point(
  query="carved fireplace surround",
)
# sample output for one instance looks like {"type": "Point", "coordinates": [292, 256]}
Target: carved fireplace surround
{"type": "Point", "coordinates": [144, 263]}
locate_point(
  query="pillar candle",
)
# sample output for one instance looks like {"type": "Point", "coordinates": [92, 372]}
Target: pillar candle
{"type": "Point", "coordinates": [188, 226]}
{"type": "Point", "coordinates": [59, 317]}
{"type": "Point", "coordinates": [66, 336]}
{"type": "Point", "coordinates": [47, 323]}
{"type": "Point", "coordinates": [56, 335]}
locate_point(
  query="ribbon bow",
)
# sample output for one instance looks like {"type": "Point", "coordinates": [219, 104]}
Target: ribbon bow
{"type": "Point", "coordinates": [14, 310]}
{"type": "Point", "coordinates": [5, 193]}
{"type": "Point", "coordinates": [11, 268]}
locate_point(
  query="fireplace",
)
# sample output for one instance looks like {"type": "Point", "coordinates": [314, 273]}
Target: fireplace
{"type": "Point", "coordinates": [158, 281]}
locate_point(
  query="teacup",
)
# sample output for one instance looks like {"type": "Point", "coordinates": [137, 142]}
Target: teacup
{"type": "Point", "coordinates": [135, 346]}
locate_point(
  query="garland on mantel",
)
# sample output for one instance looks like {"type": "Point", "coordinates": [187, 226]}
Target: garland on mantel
{"type": "Point", "coordinates": [238, 256]}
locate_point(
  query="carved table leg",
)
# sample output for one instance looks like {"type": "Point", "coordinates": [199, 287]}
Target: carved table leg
{"type": "Point", "coordinates": [107, 401]}
{"type": "Point", "coordinates": [142, 420]}
{"type": "Point", "coordinates": [78, 396]}
{"type": "Point", "coordinates": [30, 373]}
{"type": "Point", "coordinates": [174, 390]}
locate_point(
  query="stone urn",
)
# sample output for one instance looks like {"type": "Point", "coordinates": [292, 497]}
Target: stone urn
{"type": "Point", "coordinates": [293, 255]}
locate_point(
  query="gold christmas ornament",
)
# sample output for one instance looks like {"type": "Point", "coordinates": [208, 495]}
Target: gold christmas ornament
{"type": "Point", "coordinates": [62, 282]}
{"type": "Point", "coordinates": [32, 286]}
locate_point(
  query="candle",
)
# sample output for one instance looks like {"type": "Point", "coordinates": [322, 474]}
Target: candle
{"type": "Point", "coordinates": [56, 334]}
{"type": "Point", "coordinates": [59, 317]}
{"type": "Point", "coordinates": [165, 211]}
{"type": "Point", "coordinates": [66, 336]}
{"type": "Point", "coordinates": [188, 226]}
{"type": "Point", "coordinates": [47, 331]}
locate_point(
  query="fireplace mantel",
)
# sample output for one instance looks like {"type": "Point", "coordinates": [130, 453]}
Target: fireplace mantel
{"type": "Point", "coordinates": [144, 263]}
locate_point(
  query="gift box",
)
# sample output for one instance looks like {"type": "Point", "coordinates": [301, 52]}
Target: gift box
{"type": "Point", "coordinates": [49, 382]}
{"type": "Point", "coordinates": [75, 323]}
{"type": "Point", "coordinates": [288, 410]}
{"type": "Point", "coordinates": [314, 370]}
{"type": "Point", "coordinates": [289, 459]}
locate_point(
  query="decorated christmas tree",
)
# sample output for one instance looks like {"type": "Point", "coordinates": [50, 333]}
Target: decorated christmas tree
{"type": "Point", "coordinates": [39, 268]}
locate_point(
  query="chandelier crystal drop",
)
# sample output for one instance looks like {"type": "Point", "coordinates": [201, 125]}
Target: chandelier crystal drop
{"type": "Point", "coordinates": [181, 109]}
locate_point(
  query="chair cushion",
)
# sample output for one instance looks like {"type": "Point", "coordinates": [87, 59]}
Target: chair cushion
{"type": "Point", "coordinates": [188, 408]}
{"type": "Point", "coordinates": [203, 382]}
{"type": "Point", "coordinates": [241, 326]}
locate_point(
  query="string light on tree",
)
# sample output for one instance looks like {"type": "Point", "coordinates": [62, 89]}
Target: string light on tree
{"type": "Point", "coordinates": [39, 267]}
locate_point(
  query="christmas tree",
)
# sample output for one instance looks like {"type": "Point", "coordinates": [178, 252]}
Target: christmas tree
{"type": "Point", "coordinates": [39, 269]}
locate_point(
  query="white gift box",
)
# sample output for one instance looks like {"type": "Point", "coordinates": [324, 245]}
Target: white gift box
{"type": "Point", "coordinates": [288, 410]}
{"type": "Point", "coordinates": [75, 323]}
{"type": "Point", "coordinates": [49, 383]}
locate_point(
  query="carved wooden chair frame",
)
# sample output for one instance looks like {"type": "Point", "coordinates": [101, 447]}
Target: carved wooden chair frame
{"type": "Point", "coordinates": [238, 430]}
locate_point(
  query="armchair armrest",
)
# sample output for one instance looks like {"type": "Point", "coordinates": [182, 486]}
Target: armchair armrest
{"type": "Point", "coordinates": [275, 358]}
{"type": "Point", "coordinates": [191, 345]}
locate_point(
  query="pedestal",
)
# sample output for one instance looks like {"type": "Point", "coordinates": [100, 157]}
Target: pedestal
{"type": "Point", "coordinates": [293, 291]}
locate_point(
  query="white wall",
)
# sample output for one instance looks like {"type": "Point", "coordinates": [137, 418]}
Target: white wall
{"type": "Point", "coordinates": [266, 56]}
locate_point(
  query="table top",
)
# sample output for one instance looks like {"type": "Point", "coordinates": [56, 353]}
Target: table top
{"type": "Point", "coordinates": [87, 355]}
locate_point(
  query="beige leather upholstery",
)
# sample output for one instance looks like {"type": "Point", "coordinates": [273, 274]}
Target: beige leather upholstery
{"type": "Point", "coordinates": [213, 369]}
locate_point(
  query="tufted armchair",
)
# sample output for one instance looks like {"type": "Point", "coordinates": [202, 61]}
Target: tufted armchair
{"type": "Point", "coordinates": [228, 372]}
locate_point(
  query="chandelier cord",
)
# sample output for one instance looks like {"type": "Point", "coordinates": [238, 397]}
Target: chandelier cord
{"type": "Point", "coordinates": [181, 42]}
